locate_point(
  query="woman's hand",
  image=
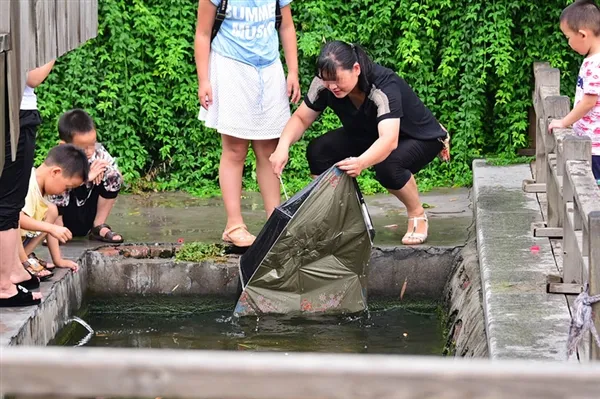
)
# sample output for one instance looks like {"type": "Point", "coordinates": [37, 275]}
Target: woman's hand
{"type": "Point", "coordinates": [352, 166]}
{"type": "Point", "coordinates": [278, 160]}
{"type": "Point", "coordinates": [205, 94]}
{"type": "Point", "coordinates": [293, 87]}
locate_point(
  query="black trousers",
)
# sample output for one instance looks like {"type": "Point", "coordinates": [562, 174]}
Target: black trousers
{"type": "Point", "coordinates": [393, 173]}
{"type": "Point", "coordinates": [14, 181]}
{"type": "Point", "coordinates": [80, 219]}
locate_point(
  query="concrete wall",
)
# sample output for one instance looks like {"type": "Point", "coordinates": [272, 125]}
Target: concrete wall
{"type": "Point", "coordinates": [465, 323]}
{"type": "Point", "coordinates": [426, 271]}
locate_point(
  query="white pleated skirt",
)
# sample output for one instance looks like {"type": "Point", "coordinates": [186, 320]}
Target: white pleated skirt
{"type": "Point", "coordinates": [248, 103]}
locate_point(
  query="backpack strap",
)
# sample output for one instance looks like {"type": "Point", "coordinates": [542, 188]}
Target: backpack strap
{"type": "Point", "coordinates": [222, 11]}
{"type": "Point", "coordinates": [278, 17]}
{"type": "Point", "coordinates": [219, 18]}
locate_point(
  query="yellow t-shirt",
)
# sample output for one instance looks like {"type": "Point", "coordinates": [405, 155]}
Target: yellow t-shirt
{"type": "Point", "coordinates": [36, 206]}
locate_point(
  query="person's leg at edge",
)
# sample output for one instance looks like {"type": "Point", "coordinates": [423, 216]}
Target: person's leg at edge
{"type": "Point", "coordinates": [596, 168]}
{"type": "Point", "coordinates": [106, 201]}
{"type": "Point", "coordinates": [13, 189]}
{"type": "Point", "coordinates": [409, 196]}
{"type": "Point", "coordinates": [267, 180]}
{"type": "Point", "coordinates": [11, 270]}
{"type": "Point", "coordinates": [231, 169]}
{"type": "Point", "coordinates": [396, 174]}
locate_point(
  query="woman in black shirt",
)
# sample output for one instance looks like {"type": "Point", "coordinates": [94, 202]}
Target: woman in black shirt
{"type": "Point", "coordinates": [384, 126]}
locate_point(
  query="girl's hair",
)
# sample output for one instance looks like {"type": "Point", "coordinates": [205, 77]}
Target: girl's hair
{"type": "Point", "coordinates": [583, 14]}
{"type": "Point", "coordinates": [337, 54]}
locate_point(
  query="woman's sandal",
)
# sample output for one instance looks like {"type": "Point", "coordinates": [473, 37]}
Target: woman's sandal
{"type": "Point", "coordinates": [35, 269]}
{"type": "Point", "coordinates": [22, 298]}
{"type": "Point", "coordinates": [42, 262]}
{"type": "Point", "coordinates": [414, 238]}
{"type": "Point", "coordinates": [241, 240]}
{"type": "Point", "coordinates": [108, 237]}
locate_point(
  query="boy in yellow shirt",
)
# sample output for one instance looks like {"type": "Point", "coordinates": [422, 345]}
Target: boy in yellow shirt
{"type": "Point", "coordinates": [65, 167]}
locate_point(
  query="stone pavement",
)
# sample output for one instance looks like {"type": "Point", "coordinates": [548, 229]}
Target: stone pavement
{"type": "Point", "coordinates": [522, 320]}
{"type": "Point", "coordinates": [167, 217]}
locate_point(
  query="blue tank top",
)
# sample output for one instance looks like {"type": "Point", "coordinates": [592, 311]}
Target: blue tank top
{"type": "Point", "coordinates": [248, 32]}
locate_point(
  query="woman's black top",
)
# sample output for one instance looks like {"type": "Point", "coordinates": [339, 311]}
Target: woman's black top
{"type": "Point", "coordinates": [390, 97]}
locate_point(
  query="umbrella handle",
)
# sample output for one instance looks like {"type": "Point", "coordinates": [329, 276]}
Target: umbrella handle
{"type": "Point", "coordinates": [364, 209]}
{"type": "Point", "coordinates": [284, 191]}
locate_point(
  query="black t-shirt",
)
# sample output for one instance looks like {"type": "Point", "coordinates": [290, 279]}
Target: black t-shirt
{"type": "Point", "coordinates": [390, 97]}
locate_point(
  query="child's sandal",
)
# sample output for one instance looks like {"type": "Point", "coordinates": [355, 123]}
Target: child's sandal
{"type": "Point", "coordinates": [108, 237]}
{"type": "Point", "coordinates": [42, 262]}
{"type": "Point", "coordinates": [37, 270]}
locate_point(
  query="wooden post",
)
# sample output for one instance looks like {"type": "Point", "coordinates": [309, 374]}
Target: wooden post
{"type": "Point", "coordinates": [554, 107]}
{"type": "Point", "coordinates": [576, 196]}
{"type": "Point", "coordinates": [45, 17]}
{"type": "Point", "coordinates": [547, 82]}
{"type": "Point", "coordinates": [594, 272]}
{"type": "Point", "coordinates": [574, 148]}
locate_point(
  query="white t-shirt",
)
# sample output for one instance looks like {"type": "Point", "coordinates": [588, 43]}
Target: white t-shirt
{"type": "Point", "coordinates": [588, 82]}
{"type": "Point", "coordinates": [29, 101]}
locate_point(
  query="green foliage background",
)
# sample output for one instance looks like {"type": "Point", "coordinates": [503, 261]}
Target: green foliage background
{"type": "Point", "coordinates": [469, 61]}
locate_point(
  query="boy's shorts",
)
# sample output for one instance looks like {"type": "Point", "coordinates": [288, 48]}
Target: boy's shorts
{"type": "Point", "coordinates": [80, 219]}
{"type": "Point", "coordinates": [26, 240]}
{"type": "Point", "coordinates": [596, 167]}
{"type": "Point", "coordinates": [14, 181]}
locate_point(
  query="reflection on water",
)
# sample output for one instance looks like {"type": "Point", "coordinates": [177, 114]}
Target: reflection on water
{"type": "Point", "coordinates": [388, 329]}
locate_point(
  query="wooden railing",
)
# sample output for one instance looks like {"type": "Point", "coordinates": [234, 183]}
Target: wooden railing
{"type": "Point", "coordinates": [32, 33]}
{"type": "Point", "coordinates": [110, 372]}
{"type": "Point", "coordinates": [563, 171]}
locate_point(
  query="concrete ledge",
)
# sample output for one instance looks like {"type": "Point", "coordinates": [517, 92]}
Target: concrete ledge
{"type": "Point", "coordinates": [522, 321]}
{"type": "Point", "coordinates": [127, 270]}
{"type": "Point", "coordinates": [37, 325]}
{"type": "Point", "coordinates": [425, 269]}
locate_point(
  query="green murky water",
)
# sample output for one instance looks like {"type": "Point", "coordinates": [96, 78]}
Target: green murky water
{"type": "Point", "coordinates": [186, 323]}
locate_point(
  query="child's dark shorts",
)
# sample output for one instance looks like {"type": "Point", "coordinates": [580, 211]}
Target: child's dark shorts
{"type": "Point", "coordinates": [596, 167]}
{"type": "Point", "coordinates": [14, 181]}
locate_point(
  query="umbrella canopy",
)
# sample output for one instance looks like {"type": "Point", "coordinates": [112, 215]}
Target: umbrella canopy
{"type": "Point", "coordinates": [312, 254]}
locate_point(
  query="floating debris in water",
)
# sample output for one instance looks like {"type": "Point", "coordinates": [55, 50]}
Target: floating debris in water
{"type": "Point", "coordinates": [535, 249]}
{"type": "Point", "coordinates": [403, 290]}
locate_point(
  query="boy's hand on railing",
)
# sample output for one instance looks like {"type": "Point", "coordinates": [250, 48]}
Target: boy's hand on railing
{"type": "Point", "coordinates": [556, 124]}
